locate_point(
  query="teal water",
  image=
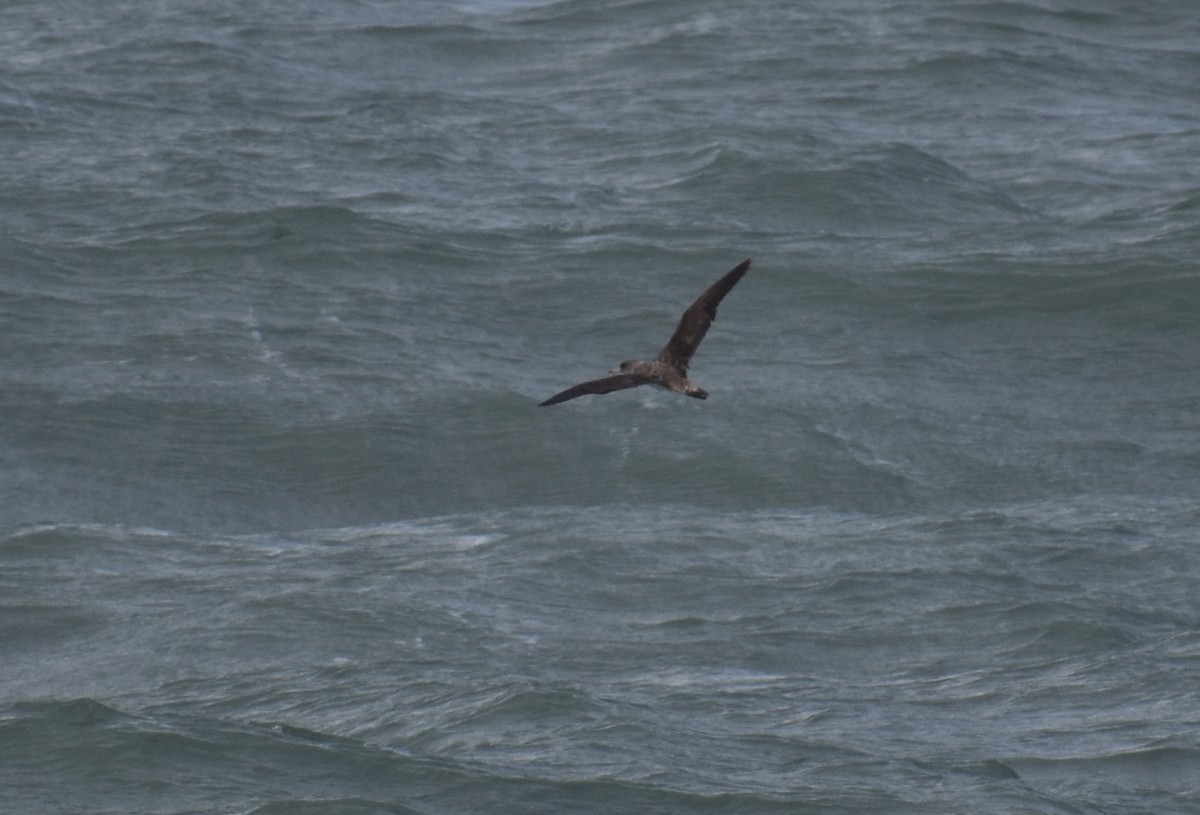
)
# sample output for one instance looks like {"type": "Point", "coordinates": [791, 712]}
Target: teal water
{"type": "Point", "coordinates": [283, 528]}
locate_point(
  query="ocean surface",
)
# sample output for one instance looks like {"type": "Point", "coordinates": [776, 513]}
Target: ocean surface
{"type": "Point", "coordinates": [284, 530]}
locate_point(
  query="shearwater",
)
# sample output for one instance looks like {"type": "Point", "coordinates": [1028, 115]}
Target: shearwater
{"type": "Point", "coordinates": [669, 369]}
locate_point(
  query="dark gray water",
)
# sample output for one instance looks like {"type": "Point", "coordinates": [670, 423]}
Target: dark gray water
{"type": "Point", "coordinates": [283, 529]}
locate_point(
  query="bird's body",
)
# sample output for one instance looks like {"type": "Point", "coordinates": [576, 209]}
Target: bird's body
{"type": "Point", "coordinates": [669, 369]}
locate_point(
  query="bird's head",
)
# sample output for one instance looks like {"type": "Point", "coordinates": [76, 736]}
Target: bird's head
{"type": "Point", "coordinates": [626, 367]}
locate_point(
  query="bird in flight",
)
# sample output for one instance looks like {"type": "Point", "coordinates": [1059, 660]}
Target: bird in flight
{"type": "Point", "coordinates": [668, 369]}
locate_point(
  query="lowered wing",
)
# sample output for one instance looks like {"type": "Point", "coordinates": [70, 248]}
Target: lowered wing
{"type": "Point", "coordinates": [606, 384]}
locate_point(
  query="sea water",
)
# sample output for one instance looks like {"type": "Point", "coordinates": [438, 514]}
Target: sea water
{"type": "Point", "coordinates": [283, 528]}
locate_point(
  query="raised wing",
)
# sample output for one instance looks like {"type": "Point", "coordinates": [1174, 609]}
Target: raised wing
{"type": "Point", "coordinates": [607, 384]}
{"type": "Point", "coordinates": [694, 323]}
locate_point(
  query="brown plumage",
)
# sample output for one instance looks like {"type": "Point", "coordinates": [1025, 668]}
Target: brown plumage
{"type": "Point", "coordinates": [669, 369]}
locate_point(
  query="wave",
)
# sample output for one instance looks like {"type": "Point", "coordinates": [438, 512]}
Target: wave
{"type": "Point", "coordinates": [1158, 768]}
{"type": "Point", "coordinates": [103, 758]}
